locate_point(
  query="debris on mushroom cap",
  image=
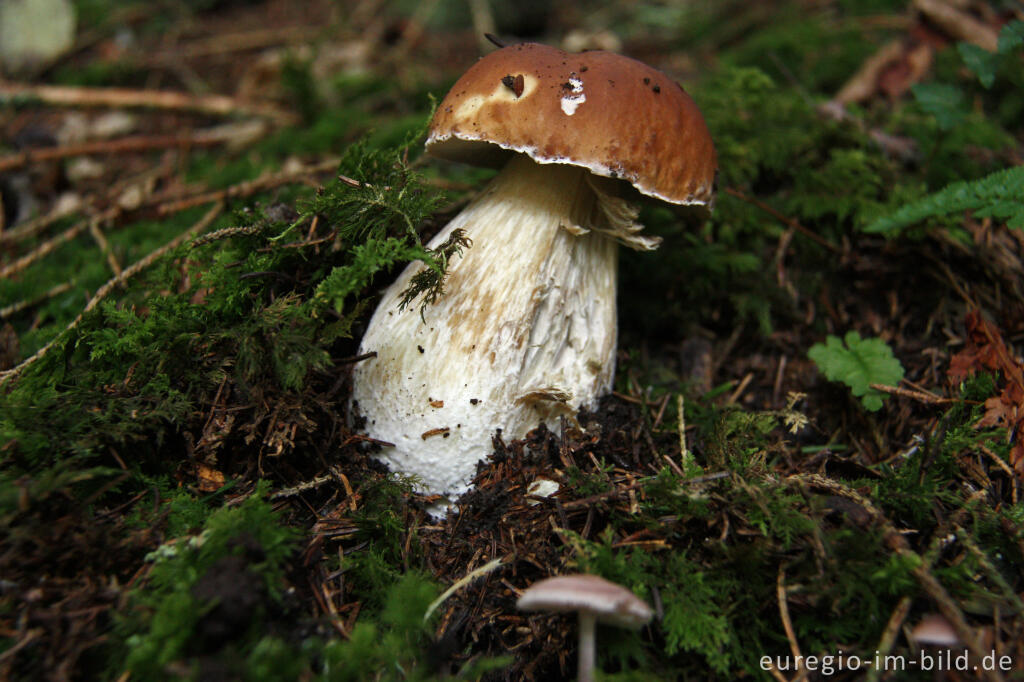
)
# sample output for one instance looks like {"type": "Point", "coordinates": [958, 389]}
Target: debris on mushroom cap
{"type": "Point", "coordinates": [936, 631]}
{"type": "Point", "coordinates": [613, 115]}
{"type": "Point", "coordinates": [608, 602]}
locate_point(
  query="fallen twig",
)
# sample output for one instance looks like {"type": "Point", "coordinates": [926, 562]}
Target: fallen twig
{"type": "Point", "coordinates": [242, 41]}
{"type": "Point", "coordinates": [888, 639]}
{"type": "Point", "coordinates": [784, 219]}
{"type": "Point", "coordinates": [959, 24]}
{"type": "Point", "coordinates": [921, 569]}
{"type": "Point", "coordinates": [243, 189]}
{"type": "Point", "coordinates": [122, 145]}
{"type": "Point", "coordinates": [587, 501]}
{"type": "Point", "coordinates": [787, 624]}
{"type": "Point", "coordinates": [461, 582]}
{"type": "Point", "coordinates": [49, 245]}
{"type": "Point", "coordinates": [16, 308]}
{"type": "Point", "coordinates": [920, 396]}
{"type": "Point", "coordinates": [113, 283]}
{"type": "Point", "coordinates": [121, 98]}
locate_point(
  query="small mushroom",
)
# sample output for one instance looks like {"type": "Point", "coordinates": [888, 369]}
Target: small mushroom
{"type": "Point", "coordinates": [596, 600]}
{"type": "Point", "coordinates": [935, 631]}
{"type": "Point", "coordinates": [526, 329]}
{"type": "Point", "coordinates": [936, 634]}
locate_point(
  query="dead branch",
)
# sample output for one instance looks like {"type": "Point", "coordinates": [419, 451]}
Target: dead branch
{"type": "Point", "coordinates": [785, 220]}
{"type": "Point", "coordinates": [115, 282]}
{"type": "Point", "coordinates": [28, 228]}
{"type": "Point", "coordinates": [49, 245]}
{"type": "Point", "coordinates": [121, 98]}
{"type": "Point", "coordinates": [135, 143]}
{"type": "Point", "coordinates": [921, 567]}
{"type": "Point", "coordinates": [16, 308]}
{"type": "Point", "coordinates": [247, 188]}
{"type": "Point", "coordinates": [959, 24]}
{"type": "Point", "coordinates": [920, 396]}
{"type": "Point", "coordinates": [243, 41]}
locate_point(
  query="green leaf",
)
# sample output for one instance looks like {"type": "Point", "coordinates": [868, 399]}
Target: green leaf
{"type": "Point", "coordinates": [980, 61]}
{"type": "Point", "coordinates": [858, 364]}
{"type": "Point", "coordinates": [1011, 37]}
{"type": "Point", "coordinates": [944, 102]}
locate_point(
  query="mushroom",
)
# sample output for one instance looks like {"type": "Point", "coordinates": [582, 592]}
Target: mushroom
{"type": "Point", "coordinates": [525, 331]}
{"type": "Point", "coordinates": [596, 600]}
{"type": "Point", "coordinates": [935, 631]}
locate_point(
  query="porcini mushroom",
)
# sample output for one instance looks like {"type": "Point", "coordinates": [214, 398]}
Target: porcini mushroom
{"type": "Point", "coordinates": [526, 329]}
{"type": "Point", "coordinates": [596, 600]}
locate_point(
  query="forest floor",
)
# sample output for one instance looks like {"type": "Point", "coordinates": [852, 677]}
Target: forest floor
{"type": "Point", "coordinates": [814, 442]}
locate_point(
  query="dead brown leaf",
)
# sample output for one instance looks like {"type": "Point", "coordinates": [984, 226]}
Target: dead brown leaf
{"type": "Point", "coordinates": [986, 351]}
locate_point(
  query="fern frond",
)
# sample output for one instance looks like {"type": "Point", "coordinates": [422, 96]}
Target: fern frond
{"type": "Point", "coordinates": [999, 195]}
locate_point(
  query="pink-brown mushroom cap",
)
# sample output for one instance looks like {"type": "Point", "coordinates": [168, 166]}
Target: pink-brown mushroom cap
{"type": "Point", "coordinates": [613, 115]}
{"type": "Point", "coordinates": [608, 602]}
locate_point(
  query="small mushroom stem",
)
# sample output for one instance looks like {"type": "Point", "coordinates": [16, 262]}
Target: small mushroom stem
{"type": "Point", "coordinates": [585, 664]}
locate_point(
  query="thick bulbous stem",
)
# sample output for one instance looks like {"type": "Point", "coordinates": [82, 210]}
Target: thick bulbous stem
{"type": "Point", "coordinates": [524, 333]}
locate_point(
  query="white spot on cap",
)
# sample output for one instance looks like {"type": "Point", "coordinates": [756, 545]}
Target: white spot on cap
{"type": "Point", "coordinates": [574, 97]}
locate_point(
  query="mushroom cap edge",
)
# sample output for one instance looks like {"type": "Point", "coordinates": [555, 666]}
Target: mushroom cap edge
{"type": "Point", "coordinates": [611, 114]}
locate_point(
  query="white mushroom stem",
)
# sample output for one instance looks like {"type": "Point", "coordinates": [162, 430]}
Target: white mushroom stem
{"type": "Point", "coordinates": [587, 647]}
{"type": "Point", "coordinates": [525, 332]}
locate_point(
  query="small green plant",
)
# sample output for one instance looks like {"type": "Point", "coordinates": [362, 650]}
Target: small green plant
{"type": "Point", "coordinates": [396, 646]}
{"type": "Point", "coordinates": [858, 364]}
{"type": "Point", "coordinates": [208, 591]}
{"type": "Point", "coordinates": [998, 195]}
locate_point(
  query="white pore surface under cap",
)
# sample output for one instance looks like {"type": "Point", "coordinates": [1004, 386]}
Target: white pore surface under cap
{"type": "Point", "coordinates": [525, 331]}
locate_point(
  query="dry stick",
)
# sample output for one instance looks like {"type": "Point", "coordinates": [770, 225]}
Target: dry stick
{"type": "Point", "coordinates": [242, 41]}
{"type": "Point", "coordinates": [899, 614]}
{"type": "Point", "coordinates": [121, 145]}
{"type": "Point", "coordinates": [685, 458]}
{"type": "Point", "coordinates": [898, 544]}
{"type": "Point", "coordinates": [916, 395]}
{"type": "Point", "coordinates": [33, 226]}
{"type": "Point", "coordinates": [744, 382]}
{"type": "Point", "coordinates": [104, 245]}
{"type": "Point", "coordinates": [460, 583]}
{"type": "Point", "coordinates": [990, 569]}
{"type": "Point", "coordinates": [885, 644]}
{"type": "Point", "coordinates": [1002, 465]}
{"type": "Point", "coordinates": [245, 188]}
{"type": "Point", "coordinates": [787, 624]}
{"type": "Point", "coordinates": [120, 98]}
{"type": "Point", "coordinates": [784, 219]}
{"type": "Point", "coordinates": [115, 282]}
{"type": "Point", "coordinates": [587, 501]}
{"type": "Point", "coordinates": [16, 308]}
{"type": "Point", "coordinates": [169, 207]}
{"type": "Point", "coordinates": [302, 487]}
{"type": "Point", "coordinates": [959, 24]}
{"type": "Point", "coordinates": [51, 244]}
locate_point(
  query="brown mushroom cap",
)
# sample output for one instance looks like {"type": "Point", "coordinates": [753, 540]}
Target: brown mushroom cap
{"type": "Point", "coordinates": [610, 114]}
{"type": "Point", "coordinates": [608, 602]}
